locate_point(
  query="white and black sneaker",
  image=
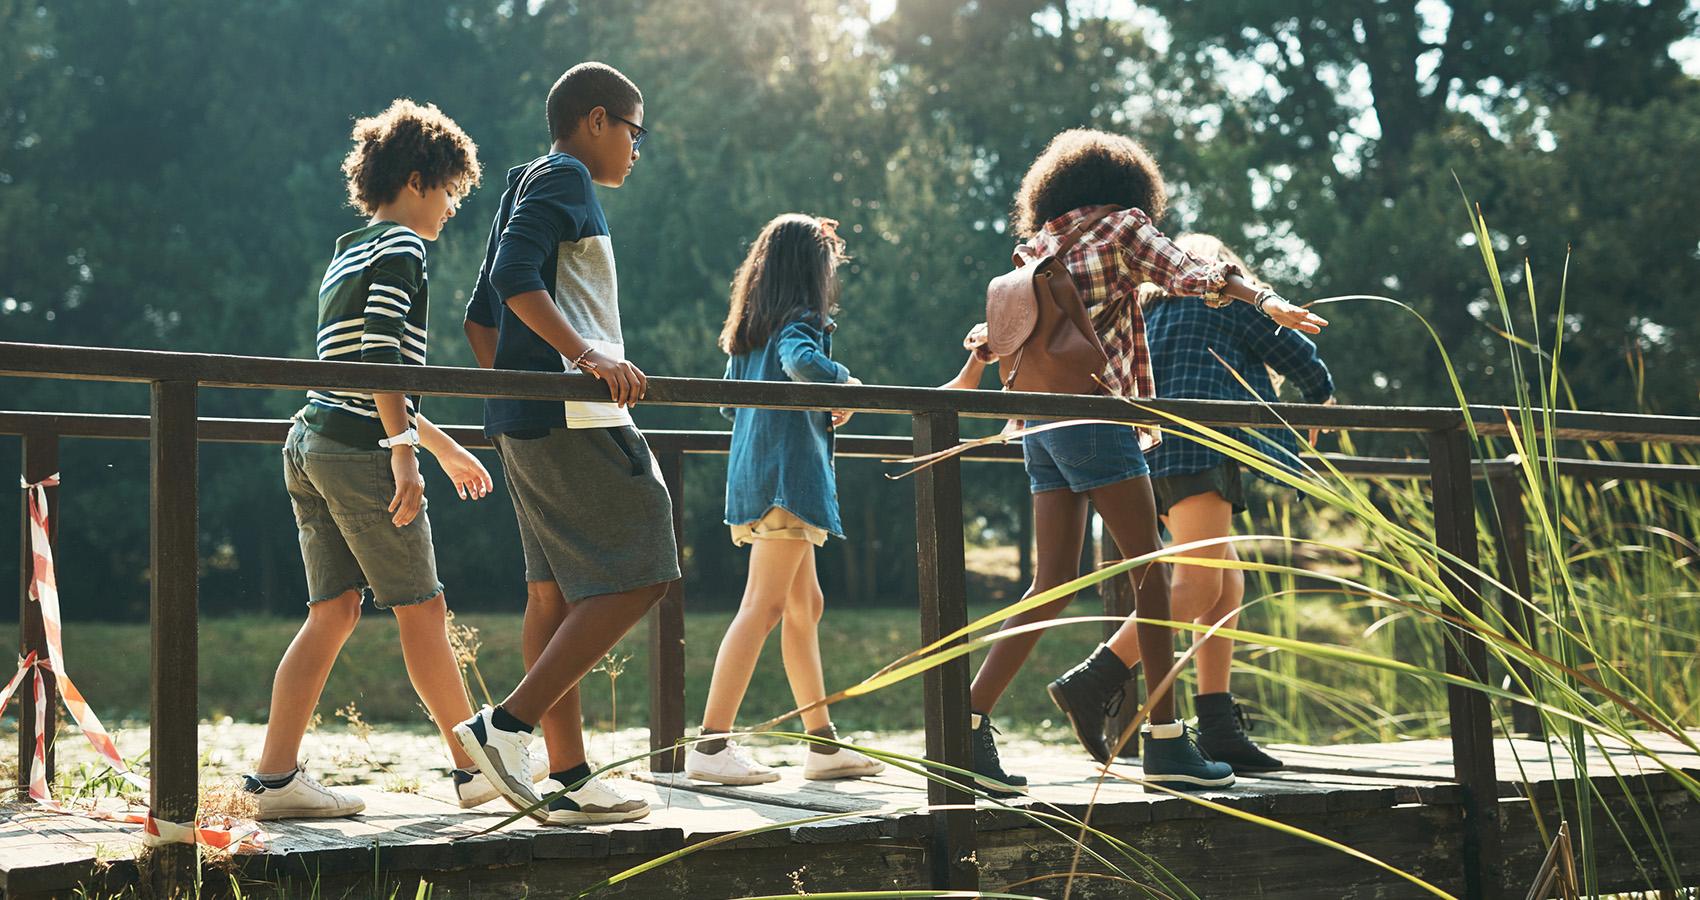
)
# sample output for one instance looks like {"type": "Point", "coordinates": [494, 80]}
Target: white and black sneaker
{"type": "Point", "coordinates": [473, 787]}
{"type": "Point", "coordinates": [596, 802]}
{"type": "Point", "coordinates": [504, 758]}
{"type": "Point", "coordinates": [300, 798]}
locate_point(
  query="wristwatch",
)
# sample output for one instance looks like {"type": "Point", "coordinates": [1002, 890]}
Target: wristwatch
{"type": "Point", "coordinates": [410, 437]}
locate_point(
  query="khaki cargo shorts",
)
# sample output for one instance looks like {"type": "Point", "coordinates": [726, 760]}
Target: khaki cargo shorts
{"type": "Point", "coordinates": [341, 494]}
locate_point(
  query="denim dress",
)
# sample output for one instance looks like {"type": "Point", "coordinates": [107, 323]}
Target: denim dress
{"type": "Point", "coordinates": [783, 457]}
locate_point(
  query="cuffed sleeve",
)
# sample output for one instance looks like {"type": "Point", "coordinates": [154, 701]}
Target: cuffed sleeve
{"type": "Point", "coordinates": [550, 208]}
{"type": "Point", "coordinates": [803, 357]}
{"type": "Point", "coordinates": [1293, 355]}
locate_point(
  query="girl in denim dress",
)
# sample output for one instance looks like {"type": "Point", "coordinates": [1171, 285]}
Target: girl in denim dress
{"type": "Point", "coordinates": [781, 494]}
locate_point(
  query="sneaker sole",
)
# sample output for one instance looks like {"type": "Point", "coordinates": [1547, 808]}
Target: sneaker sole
{"type": "Point", "coordinates": [313, 813]}
{"type": "Point", "coordinates": [1057, 698]}
{"type": "Point", "coordinates": [1189, 782]}
{"type": "Point", "coordinates": [842, 774]}
{"type": "Point", "coordinates": [734, 780]}
{"type": "Point", "coordinates": [584, 818]}
{"type": "Point", "coordinates": [469, 743]}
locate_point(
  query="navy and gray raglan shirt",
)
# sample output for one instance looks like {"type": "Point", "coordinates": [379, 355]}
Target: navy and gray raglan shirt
{"type": "Point", "coordinates": [372, 308]}
{"type": "Point", "coordinates": [549, 235]}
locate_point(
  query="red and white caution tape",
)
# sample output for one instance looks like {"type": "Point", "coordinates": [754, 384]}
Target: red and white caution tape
{"type": "Point", "coordinates": [226, 833]}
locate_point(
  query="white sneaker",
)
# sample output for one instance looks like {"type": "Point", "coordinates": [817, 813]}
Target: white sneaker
{"type": "Point", "coordinates": [302, 798]}
{"type": "Point", "coordinates": [846, 763]}
{"type": "Point", "coordinates": [597, 802]}
{"type": "Point", "coordinates": [504, 757]}
{"type": "Point", "coordinates": [732, 765]}
{"type": "Point", "coordinates": [476, 789]}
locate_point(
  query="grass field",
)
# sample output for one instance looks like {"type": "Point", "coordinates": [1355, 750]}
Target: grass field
{"type": "Point", "coordinates": [239, 655]}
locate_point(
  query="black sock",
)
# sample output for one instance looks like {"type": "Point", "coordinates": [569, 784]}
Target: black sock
{"type": "Point", "coordinates": [713, 745]}
{"type": "Point", "coordinates": [572, 776]}
{"type": "Point", "coordinates": [830, 734]}
{"type": "Point", "coordinates": [273, 782]}
{"type": "Point", "coordinates": [505, 720]}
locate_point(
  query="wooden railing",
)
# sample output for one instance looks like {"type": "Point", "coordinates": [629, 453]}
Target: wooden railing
{"type": "Point", "coordinates": [175, 431]}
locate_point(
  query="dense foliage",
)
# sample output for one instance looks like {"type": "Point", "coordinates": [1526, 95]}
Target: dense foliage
{"type": "Point", "coordinates": [168, 178]}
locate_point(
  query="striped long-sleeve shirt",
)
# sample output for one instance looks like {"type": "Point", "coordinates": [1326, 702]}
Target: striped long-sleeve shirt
{"type": "Point", "coordinates": [372, 308]}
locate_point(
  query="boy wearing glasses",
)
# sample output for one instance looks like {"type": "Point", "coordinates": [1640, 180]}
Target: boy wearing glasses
{"type": "Point", "coordinates": [595, 519]}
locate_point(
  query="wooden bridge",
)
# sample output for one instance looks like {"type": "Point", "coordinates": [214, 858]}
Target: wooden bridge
{"type": "Point", "coordinates": [1459, 812]}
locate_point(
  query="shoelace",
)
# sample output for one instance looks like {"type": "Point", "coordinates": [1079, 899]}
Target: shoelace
{"type": "Point", "coordinates": [1113, 705]}
{"type": "Point", "coordinates": [741, 754]}
{"type": "Point", "coordinates": [1241, 718]}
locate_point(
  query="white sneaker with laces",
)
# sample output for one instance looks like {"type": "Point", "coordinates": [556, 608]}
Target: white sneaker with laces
{"type": "Point", "coordinates": [477, 789]}
{"type": "Point", "coordinates": [732, 765]}
{"type": "Point", "coordinates": [504, 757]}
{"type": "Point", "coordinates": [597, 802]}
{"type": "Point", "coordinates": [302, 798]}
{"type": "Point", "coordinates": [846, 763]}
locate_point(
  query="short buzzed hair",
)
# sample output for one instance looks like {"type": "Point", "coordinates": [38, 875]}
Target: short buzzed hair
{"type": "Point", "coordinates": [583, 88]}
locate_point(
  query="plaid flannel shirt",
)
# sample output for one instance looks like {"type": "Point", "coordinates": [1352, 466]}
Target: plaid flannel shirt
{"type": "Point", "coordinates": [1111, 260]}
{"type": "Point", "coordinates": [1186, 339]}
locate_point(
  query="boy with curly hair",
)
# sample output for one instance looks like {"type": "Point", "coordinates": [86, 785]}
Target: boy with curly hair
{"type": "Point", "coordinates": [350, 462]}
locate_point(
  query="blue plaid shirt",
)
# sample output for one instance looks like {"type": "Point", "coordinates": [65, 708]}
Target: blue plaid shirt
{"type": "Point", "coordinates": [1183, 331]}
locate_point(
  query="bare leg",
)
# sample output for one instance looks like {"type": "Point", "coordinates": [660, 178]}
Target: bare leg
{"type": "Point", "coordinates": [799, 641]}
{"type": "Point", "coordinates": [301, 678]}
{"type": "Point", "coordinates": [1059, 521]}
{"type": "Point", "coordinates": [563, 724]}
{"type": "Point", "coordinates": [591, 628]}
{"type": "Point", "coordinates": [431, 667]}
{"type": "Point", "coordinates": [1202, 595]}
{"type": "Point", "coordinates": [1216, 656]}
{"type": "Point", "coordinates": [773, 569]}
{"type": "Point", "coordinates": [1130, 512]}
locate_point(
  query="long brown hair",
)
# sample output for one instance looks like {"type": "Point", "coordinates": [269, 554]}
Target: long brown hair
{"type": "Point", "coordinates": [1209, 248]}
{"type": "Point", "coordinates": [791, 268]}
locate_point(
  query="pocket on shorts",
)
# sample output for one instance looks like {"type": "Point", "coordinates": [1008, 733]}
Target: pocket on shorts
{"type": "Point", "coordinates": [1075, 445]}
{"type": "Point", "coordinates": [635, 449]}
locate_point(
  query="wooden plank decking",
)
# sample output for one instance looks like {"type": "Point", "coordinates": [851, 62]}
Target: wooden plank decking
{"type": "Point", "coordinates": [1394, 801]}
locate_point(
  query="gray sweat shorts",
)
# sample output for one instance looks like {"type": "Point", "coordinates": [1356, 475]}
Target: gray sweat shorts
{"type": "Point", "coordinates": [340, 494]}
{"type": "Point", "coordinates": [594, 515]}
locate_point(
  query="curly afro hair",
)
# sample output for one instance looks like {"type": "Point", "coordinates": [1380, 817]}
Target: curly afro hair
{"type": "Point", "coordinates": [406, 138]}
{"type": "Point", "coordinates": [1082, 167]}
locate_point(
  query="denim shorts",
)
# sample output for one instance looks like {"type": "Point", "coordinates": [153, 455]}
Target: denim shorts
{"type": "Point", "coordinates": [348, 541]}
{"type": "Point", "coordinates": [1082, 457]}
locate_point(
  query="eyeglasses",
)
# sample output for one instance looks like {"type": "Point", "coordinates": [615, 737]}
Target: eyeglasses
{"type": "Point", "coordinates": [638, 131]}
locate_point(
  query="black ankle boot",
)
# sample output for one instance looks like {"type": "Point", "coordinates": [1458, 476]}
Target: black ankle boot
{"type": "Point", "coordinates": [1222, 727]}
{"type": "Point", "coordinates": [988, 769]}
{"type": "Point", "coordinates": [1090, 693]}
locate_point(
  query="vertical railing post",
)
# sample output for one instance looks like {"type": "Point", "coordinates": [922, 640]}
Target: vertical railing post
{"type": "Point", "coordinates": [1466, 656]}
{"type": "Point", "coordinates": [174, 560]}
{"type": "Point", "coordinates": [667, 640]}
{"type": "Point", "coordinates": [1511, 542]}
{"type": "Point", "coordinates": [944, 609]}
{"type": "Point", "coordinates": [40, 459]}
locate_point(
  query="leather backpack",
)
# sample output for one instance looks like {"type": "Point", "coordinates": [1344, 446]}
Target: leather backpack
{"type": "Point", "coordinates": [1037, 326]}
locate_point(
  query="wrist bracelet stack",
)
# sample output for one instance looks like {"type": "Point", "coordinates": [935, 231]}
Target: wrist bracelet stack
{"type": "Point", "coordinates": [1262, 299]}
